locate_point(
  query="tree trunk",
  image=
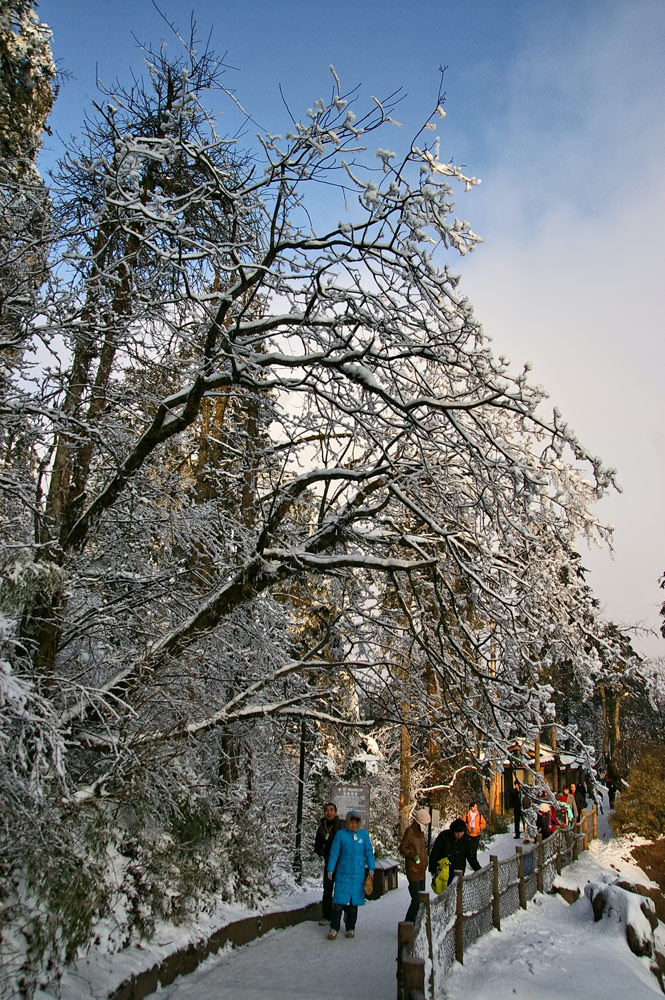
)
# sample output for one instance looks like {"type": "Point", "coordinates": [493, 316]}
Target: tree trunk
{"type": "Point", "coordinates": [404, 777]}
{"type": "Point", "coordinates": [494, 799]}
{"type": "Point", "coordinates": [555, 779]}
{"type": "Point", "coordinates": [297, 859]}
{"type": "Point", "coordinates": [612, 739]}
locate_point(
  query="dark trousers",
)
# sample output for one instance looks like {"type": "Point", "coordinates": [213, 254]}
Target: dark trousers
{"type": "Point", "coordinates": [473, 850]}
{"type": "Point", "coordinates": [517, 817]}
{"type": "Point", "coordinates": [350, 916]}
{"type": "Point", "coordinates": [326, 905]}
{"type": "Point", "coordinates": [414, 889]}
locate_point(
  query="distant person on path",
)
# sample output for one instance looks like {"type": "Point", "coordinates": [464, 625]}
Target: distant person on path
{"type": "Point", "coordinates": [451, 845]}
{"type": "Point", "coordinates": [517, 810]}
{"type": "Point", "coordinates": [545, 820]}
{"type": "Point", "coordinates": [611, 792]}
{"type": "Point", "coordinates": [325, 833]}
{"type": "Point", "coordinates": [579, 794]}
{"type": "Point", "coordinates": [351, 853]}
{"type": "Point", "coordinates": [565, 810]}
{"type": "Point", "coordinates": [528, 817]}
{"type": "Point", "coordinates": [475, 824]}
{"type": "Point", "coordinates": [570, 799]}
{"type": "Point", "coordinates": [414, 848]}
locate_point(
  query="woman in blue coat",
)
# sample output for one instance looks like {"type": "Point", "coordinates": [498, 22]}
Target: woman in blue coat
{"type": "Point", "coordinates": [351, 853]}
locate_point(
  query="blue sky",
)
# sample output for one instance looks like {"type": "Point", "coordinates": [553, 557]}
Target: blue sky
{"type": "Point", "coordinates": [559, 106]}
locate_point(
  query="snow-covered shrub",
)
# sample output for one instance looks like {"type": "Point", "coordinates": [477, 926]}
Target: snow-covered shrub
{"type": "Point", "coordinates": [52, 870]}
{"type": "Point", "coordinates": [376, 765]}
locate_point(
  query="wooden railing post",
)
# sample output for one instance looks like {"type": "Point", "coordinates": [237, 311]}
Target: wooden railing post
{"type": "Point", "coordinates": [540, 854]}
{"type": "Point", "coordinates": [594, 819]}
{"type": "Point", "coordinates": [459, 920]}
{"type": "Point", "coordinates": [576, 841]}
{"type": "Point", "coordinates": [404, 947]}
{"type": "Point", "coordinates": [496, 896]}
{"type": "Point", "coordinates": [520, 865]}
{"type": "Point", "coordinates": [413, 976]}
{"type": "Point", "coordinates": [425, 901]}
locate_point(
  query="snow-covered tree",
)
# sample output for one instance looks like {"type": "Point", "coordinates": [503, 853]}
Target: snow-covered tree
{"type": "Point", "coordinates": [27, 75]}
{"type": "Point", "coordinates": [255, 396]}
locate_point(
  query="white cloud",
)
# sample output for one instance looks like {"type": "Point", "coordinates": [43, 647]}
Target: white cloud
{"type": "Point", "coordinates": [569, 278]}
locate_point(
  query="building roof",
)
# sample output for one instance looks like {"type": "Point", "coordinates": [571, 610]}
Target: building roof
{"type": "Point", "coordinates": [547, 754]}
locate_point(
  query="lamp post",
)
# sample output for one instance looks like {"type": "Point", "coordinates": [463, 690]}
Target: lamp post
{"type": "Point", "coordinates": [297, 858]}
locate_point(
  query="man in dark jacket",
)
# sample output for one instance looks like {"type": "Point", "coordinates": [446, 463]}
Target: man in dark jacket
{"type": "Point", "coordinates": [453, 844]}
{"type": "Point", "coordinates": [517, 810]}
{"type": "Point", "coordinates": [579, 794]}
{"type": "Point", "coordinates": [325, 833]}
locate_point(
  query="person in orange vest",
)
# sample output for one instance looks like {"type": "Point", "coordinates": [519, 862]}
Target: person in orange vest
{"type": "Point", "coordinates": [475, 824]}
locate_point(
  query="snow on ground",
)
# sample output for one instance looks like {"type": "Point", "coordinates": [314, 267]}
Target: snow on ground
{"type": "Point", "coordinates": [552, 949]}
{"type": "Point", "coordinates": [98, 973]}
{"type": "Point", "coordinates": [301, 964]}
{"type": "Point", "coordinates": [548, 951]}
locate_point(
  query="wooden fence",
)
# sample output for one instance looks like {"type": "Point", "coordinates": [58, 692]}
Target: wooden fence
{"type": "Point", "coordinates": [473, 904]}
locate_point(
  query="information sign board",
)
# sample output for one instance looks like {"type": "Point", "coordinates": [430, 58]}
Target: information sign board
{"type": "Point", "coordinates": [348, 797]}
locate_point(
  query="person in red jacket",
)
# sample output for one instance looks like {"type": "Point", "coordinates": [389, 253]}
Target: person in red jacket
{"type": "Point", "coordinates": [475, 824]}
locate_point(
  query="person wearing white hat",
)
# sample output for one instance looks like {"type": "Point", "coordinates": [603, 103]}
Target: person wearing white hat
{"type": "Point", "coordinates": [414, 848]}
{"type": "Point", "coordinates": [544, 820]}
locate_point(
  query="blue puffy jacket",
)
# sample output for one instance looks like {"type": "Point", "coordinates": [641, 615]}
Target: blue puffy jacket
{"type": "Point", "coordinates": [351, 853]}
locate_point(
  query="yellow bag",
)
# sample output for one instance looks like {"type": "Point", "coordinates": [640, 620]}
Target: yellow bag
{"type": "Point", "coordinates": [369, 885]}
{"type": "Point", "coordinates": [440, 880]}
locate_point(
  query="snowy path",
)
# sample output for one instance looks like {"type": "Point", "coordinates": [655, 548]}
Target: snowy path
{"type": "Point", "coordinates": [553, 950]}
{"type": "Point", "coordinates": [548, 951]}
{"type": "Point", "coordinates": [300, 962]}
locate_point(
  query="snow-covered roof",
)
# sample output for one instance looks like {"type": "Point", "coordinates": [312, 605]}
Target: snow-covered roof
{"type": "Point", "coordinates": [548, 754]}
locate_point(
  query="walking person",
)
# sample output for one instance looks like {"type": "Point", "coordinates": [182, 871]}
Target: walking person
{"type": "Point", "coordinates": [564, 815]}
{"type": "Point", "coordinates": [414, 848]}
{"type": "Point", "coordinates": [451, 852]}
{"type": "Point", "coordinates": [351, 853]}
{"type": "Point", "coordinates": [579, 794]}
{"type": "Point", "coordinates": [325, 833]}
{"type": "Point", "coordinates": [528, 817]}
{"type": "Point", "coordinates": [475, 824]}
{"type": "Point", "coordinates": [544, 820]}
{"type": "Point", "coordinates": [517, 810]}
{"type": "Point", "coordinates": [570, 799]}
